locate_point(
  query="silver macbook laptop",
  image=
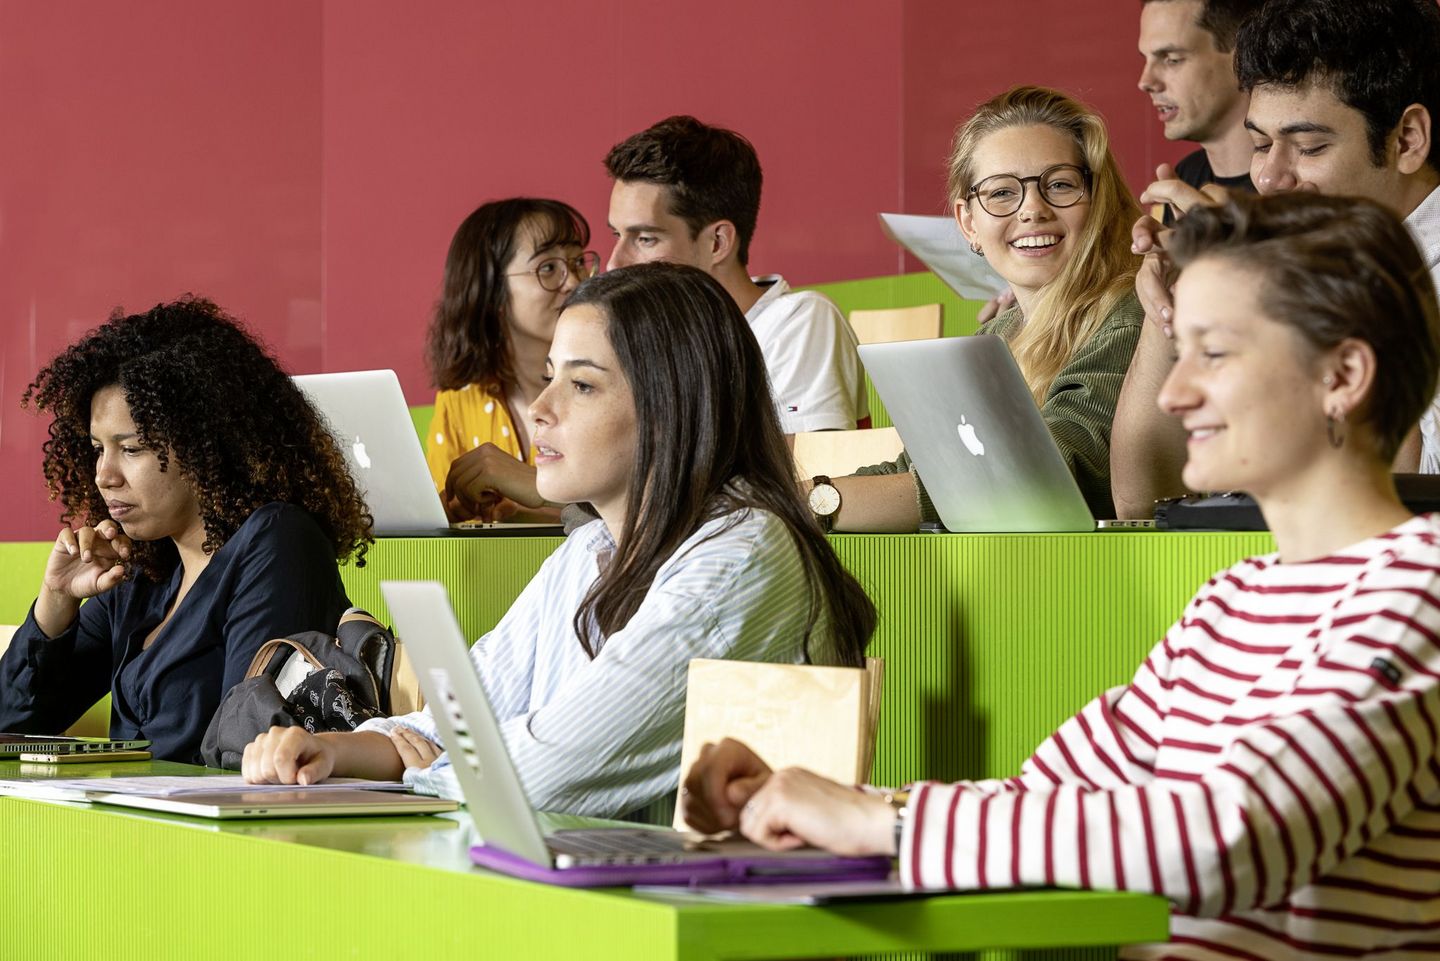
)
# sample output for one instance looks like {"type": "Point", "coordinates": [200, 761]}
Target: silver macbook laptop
{"type": "Point", "coordinates": [13, 745]}
{"type": "Point", "coordinates": [367, 412]}
{"type": "Point", "coordinates": [512, 841]}
{"type": "Point", "coordinates": [299, 803]}
{"type": "Point", "coordinates": [976, 436]}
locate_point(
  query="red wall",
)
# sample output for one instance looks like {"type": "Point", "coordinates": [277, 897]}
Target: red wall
{"type": "Point", "coordinates": [152, 148]}
{"type": "Point", "coordinates": [305, 161]}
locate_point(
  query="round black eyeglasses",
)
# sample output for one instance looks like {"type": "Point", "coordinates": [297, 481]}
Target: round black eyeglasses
{"type": "Point", "coordinates": [1061, 185]}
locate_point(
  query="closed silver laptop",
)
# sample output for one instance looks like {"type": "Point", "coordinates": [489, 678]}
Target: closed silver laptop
{"type": "Point", "coordinates": [976, 436]}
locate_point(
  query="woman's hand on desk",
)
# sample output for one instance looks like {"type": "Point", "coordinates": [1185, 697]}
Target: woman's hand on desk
{"type": "Point", "coordinates": [84, 562]}
{"type": "Point", "coordinates": [287, 755]}
{"type": "Point", "coordinates": [796, 807]}
{"type": "Point", "coordinates": [489, 484]}
{"type": "Point", "coordinates": [729, 786]}
{"type": "Point", "coordinates": [292, 755]}
{"type": "Point", "coordinates": [719, 783]}
{"type": "Point", "coordinates": [415, 750]}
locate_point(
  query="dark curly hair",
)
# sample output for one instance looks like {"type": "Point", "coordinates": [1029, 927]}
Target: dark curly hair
{"type": "Point", "coordinates": [203, 390]}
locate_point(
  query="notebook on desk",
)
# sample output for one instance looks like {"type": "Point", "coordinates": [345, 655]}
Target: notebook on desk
{"type": "Point", "coordinates": [227, 796]}
{"type": "Point", "coordinates": [366, 411]}
{"type": "Point", "coordinates": [975, 434]}
{"type": "Point", "coordinates": [511, 839]}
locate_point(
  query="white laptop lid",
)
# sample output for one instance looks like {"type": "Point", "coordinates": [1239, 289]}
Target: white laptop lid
{"type": "Point", "coordinates": [366, 410]}
{"type": "Point", "coordinates": [494, 796]}
{"type": "Point", "coordinates": [976, 436]}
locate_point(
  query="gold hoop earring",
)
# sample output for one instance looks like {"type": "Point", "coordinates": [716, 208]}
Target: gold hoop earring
{"type": "Point", "coordinates": [1336, 439]}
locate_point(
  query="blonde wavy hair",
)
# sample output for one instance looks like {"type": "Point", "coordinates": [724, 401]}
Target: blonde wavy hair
{"type": "Point", "coordinates": [1101, 268]}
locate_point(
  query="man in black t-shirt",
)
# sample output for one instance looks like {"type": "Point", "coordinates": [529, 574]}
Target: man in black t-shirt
{"type": "Point", "coordinates": [1190, 77]}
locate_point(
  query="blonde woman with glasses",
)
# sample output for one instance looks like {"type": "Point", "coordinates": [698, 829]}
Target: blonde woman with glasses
{"type": "Point", "coordinates": [1037, 192]}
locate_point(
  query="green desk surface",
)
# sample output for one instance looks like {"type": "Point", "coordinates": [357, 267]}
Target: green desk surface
{"type": "Point", "coordinates": [97, 882]}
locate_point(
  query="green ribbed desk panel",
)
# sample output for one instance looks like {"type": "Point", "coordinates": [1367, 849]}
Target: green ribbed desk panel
{"type": "Point", "coordinates": [990, 641]}
{"type": "Point", "coordinates": [114, 885]}
{"type": "Point", "coordinates": [484, 575]}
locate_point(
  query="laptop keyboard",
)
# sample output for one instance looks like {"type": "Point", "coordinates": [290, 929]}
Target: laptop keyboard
{"type": "Point", "coordinates": [617, 842]}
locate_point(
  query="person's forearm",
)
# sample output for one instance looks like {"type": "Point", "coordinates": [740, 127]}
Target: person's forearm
{"type": "Point", "coordinates": [54, 613]}
{"type": "Point", "coordinates": [367, 754]}
{"type": "Point", "coordinates": [877, 504]}
{"type": "Point", "coordinates": [1147, 446]}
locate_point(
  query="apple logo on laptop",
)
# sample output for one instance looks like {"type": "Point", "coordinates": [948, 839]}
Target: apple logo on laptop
{"type": "Point", "coordinates": [967, 437]}
{"type": "Point", "coordinates": [362, 458]}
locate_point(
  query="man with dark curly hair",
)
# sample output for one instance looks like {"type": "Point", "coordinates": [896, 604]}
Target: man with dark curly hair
{"type": "Point", "coordinates": [205, 507]}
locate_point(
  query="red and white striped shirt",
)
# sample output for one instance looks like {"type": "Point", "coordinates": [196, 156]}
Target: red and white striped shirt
{"type": "Point", "coordinates": [1272, 769]}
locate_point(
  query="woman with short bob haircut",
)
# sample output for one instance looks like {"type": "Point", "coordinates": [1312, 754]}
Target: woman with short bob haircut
{"type": "Point", "coordinates": [509, 268]}
{"type": "Point", "coordinates": [206, 505]}
{"type": "Point", "coordinates": [1037, 192]}
{"type": "Point", "coordinates": [658, 421]}
{"type": "Point", "coordinates": [1272, 767]}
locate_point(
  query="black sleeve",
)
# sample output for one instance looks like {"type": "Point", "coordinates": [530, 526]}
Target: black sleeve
{"type": "Point", "coordinates": [47, 683]}
{"type": "Point", "coordinates": [286, 582]}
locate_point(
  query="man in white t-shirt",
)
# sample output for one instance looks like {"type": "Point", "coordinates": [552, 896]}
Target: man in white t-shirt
{"type": "Point", "coordinates": [689, 193]}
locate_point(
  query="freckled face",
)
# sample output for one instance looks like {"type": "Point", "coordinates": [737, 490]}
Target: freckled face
{"type": "Point", "coordinates": [585, 429]}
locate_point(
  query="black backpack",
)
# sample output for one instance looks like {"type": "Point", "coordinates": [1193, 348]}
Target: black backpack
{"type": "Point", "coordinates": [317, 682]}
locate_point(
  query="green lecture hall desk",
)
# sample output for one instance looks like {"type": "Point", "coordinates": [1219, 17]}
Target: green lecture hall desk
{"type": "Point", "coordinates": [113, 884]}
{"type": "Point", "coordinates": [990, 641]}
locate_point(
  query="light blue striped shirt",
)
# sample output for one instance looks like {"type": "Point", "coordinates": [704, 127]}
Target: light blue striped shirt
{"type": "Point", "coordinates": [602, 737]}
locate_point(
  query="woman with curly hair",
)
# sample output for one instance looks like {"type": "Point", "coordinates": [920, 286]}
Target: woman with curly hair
{"type": "Point", "coordinates": [209, 506]}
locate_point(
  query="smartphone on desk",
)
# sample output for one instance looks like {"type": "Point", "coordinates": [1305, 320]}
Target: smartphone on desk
{"type": "Point", "coordinates": [92, 757]}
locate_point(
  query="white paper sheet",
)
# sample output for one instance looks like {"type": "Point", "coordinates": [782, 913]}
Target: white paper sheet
{"type": "Point", "coordinates": [83, 788]}
{"type": "Point", "coordinates": [938, 243]}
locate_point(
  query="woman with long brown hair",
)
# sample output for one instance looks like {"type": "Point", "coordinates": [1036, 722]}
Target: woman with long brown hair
{"type": "Point", "coordinates": [658, 420]}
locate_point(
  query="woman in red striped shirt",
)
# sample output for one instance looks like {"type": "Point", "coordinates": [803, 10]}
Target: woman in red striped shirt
{"type": "Point", "coordinates": [1273, 766]}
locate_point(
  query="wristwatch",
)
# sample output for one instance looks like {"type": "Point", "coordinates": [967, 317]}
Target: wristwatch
{"type": "Point", "coordinates": [899, 802]}
{"type": "Point", "coordinates": [824, 502]}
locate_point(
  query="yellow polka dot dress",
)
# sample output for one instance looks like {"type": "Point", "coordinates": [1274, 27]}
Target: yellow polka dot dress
{"type": "Point", "coordinates": [464, 419]}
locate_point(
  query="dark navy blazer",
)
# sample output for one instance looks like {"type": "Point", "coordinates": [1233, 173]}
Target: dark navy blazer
{"type": "Point", "coordinates": [276, 576]}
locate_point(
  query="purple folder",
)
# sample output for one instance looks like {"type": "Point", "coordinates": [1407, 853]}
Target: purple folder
{"type": "Point", "coordinates": [722, 869]}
